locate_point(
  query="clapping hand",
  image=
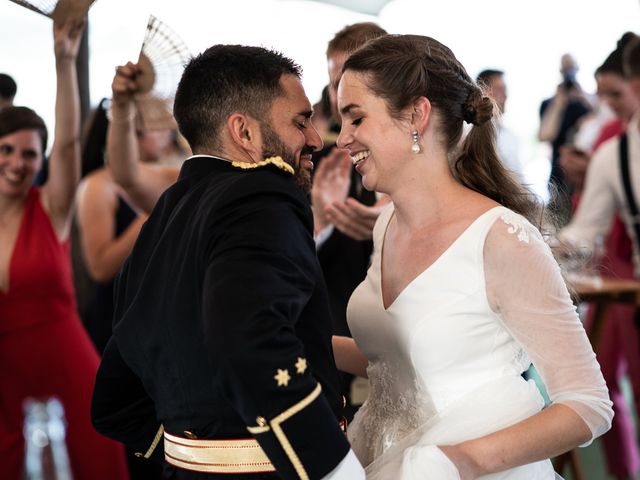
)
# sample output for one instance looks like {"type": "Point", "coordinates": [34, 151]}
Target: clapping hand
{"type": "Point", "coordinates": [355, 219]}
{"type": "Point", "coordinates": [330, 203]}
{"type": "Point", "coordinates": [331, 184]}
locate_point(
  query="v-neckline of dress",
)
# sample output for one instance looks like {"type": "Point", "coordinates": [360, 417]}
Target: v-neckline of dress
{"type": "Point", "coordinates": [17, 242]}
{"type": "Point", "coordinates": [437, 260]}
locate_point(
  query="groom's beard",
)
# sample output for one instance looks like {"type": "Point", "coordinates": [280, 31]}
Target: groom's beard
{"type": "Point", "coordinates": [273, 146]}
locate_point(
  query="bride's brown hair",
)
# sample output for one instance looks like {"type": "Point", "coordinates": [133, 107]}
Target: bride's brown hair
{"type": "Point", "coordinates": [402, 68]}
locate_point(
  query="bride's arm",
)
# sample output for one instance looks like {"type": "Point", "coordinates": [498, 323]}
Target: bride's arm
{"type": "Point", "coordinates": [526, 290]}
{"type": "Point", "coordinates": [348, 356]}
{"type": "Point", "coordinates": [547, 434]}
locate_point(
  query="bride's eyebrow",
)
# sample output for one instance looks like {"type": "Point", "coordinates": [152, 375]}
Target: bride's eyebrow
{"type": "Point", "coordinates": [347, 108]}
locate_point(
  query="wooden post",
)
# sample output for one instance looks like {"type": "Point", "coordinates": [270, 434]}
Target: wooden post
{"type": "Point", "coordinates": [82, 66]}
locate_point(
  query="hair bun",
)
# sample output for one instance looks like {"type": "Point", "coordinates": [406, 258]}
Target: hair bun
{"type": "Point", "coordinates": [478, 108]}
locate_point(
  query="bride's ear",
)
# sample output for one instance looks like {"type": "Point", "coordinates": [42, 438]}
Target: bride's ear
{"type": "Point", "coordinates": [420, 113]}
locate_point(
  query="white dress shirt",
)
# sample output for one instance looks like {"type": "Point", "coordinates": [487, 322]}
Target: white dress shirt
{"type": "Point", "coordinates": [603, 194]}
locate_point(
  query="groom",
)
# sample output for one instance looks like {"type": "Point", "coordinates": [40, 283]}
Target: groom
{"type": "Point", "coordinates": [220, 360]}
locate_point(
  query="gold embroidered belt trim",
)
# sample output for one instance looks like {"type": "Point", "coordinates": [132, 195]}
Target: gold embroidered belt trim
{"type": "Point", "coordinates": [216, 456]}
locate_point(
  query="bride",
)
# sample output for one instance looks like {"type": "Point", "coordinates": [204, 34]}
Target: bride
{"type": "Point", "coordinates": [463, 294]}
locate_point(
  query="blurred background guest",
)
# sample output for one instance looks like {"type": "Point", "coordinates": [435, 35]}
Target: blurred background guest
{"type": "Point", "coordinates": [8, 89]}
{"type": "Point", "coordinates": [618, 351]}
{"type": "Point", "coordinates": [508, 145]}
{"type": "Point", "coordinates": [559, 116]}
{"type": "Point", "coordinates": [107, 222]}
{"type": "Point", "coordinates": [44, 350]}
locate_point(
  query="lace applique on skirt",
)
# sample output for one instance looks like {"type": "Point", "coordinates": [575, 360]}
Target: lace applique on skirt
{"type": "Point", "coordinates": [390, 413]}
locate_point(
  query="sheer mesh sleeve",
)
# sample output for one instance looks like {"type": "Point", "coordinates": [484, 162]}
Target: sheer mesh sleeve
{"type": "Point", "coordinates": [527, 291]}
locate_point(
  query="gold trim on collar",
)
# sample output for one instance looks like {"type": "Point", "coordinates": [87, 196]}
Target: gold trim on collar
{"type": "Point", "coordinates": [276, 161]}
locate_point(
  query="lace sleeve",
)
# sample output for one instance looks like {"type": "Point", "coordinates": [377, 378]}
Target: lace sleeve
{"type": "Point", "coordinates": [527, 291]}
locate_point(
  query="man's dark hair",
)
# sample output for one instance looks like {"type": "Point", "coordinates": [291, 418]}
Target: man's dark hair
{"type": "Point", "coordinates": [225, 79]}
{"type": "Point", "coordinates": [353, 36]}
{"type": "Point", "coordinates": [325, 102]}
{"type": "Point", "coordinates": [631, 58]}
{"type": "Point", "coordinates": [8, 87]}
{"type": "Point", "coordinates": [485, 76]}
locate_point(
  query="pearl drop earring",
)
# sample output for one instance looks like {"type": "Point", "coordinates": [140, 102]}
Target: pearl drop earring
{"type": "Point", "coordinates": [415, 147]}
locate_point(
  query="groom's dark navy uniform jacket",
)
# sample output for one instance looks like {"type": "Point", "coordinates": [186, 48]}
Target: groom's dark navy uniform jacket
{"type": "Point", "coordinates": [222, 329]}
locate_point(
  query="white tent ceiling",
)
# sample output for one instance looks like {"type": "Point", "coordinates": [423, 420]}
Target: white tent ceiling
{"type": "Point", "coordinates": [370, 7]}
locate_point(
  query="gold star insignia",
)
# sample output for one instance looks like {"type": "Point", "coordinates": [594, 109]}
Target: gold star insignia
{"type": "Point", "coordinates": [282, 377]}
{"type": "Point", "coordinates": [301, 365]}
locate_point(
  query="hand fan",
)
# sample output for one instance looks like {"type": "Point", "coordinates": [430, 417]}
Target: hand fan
{"type": "Point", "coordinates": [161, 61]}
{"type": "Point", "coordinates": [58, 9]}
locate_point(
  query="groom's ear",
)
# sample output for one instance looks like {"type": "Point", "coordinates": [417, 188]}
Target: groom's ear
{"type": "Point", "coordinates": [244, 133]}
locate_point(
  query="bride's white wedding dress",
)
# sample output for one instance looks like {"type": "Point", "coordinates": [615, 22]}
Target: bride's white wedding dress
{"type": "Point", "coordinates": [446, 357]}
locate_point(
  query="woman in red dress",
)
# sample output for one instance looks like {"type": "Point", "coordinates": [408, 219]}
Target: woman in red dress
{"type": "Point", "coordinates": [44, 349]}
